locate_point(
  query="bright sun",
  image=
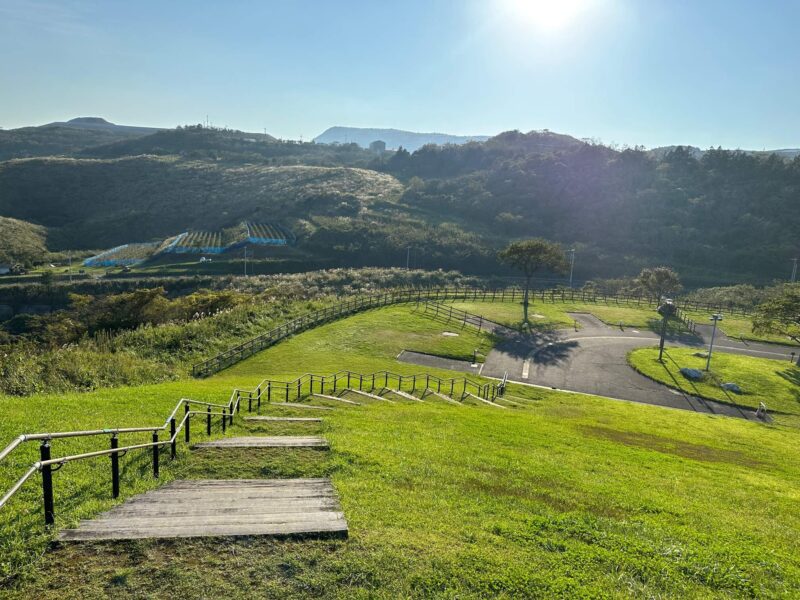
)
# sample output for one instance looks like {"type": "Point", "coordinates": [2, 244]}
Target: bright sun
{"type": "Point", "coordinates": [546, 15]}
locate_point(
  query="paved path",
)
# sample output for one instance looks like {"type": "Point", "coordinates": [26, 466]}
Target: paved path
{"type": "Point", "coordinates": [592, 359]}
{"type": "Point", "coordinates": [281, 441]}
{"type": "Point", "coordinates": [224, 507]}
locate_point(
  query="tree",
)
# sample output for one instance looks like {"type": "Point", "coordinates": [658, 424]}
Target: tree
{"type": "Point", "coordinates": [659, 282]}
{"type": "Point", "coordinates": [532, 256]}
{"type": "Point", "coordinates": [781, 315]}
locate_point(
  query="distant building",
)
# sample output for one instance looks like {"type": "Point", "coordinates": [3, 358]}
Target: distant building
{"type": "Point", "coordinates": [378, 147]}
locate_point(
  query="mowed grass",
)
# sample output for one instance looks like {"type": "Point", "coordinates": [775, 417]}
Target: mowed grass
{"type": "Point", "coordinates": [565, 496]}
{"type": "Point", "coordinates": [739, 327]}
{"type": "Point", "coordinates": [776, 383]}
{"type": "Point", "coordinates": [548, 315]}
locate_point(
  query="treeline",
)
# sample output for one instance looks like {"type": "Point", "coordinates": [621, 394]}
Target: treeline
{"type": "Point", "coordinates": [724, 214]}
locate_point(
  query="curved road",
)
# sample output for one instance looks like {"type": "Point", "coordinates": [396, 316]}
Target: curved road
{"type": "Point", "coordinates": [593, 360]}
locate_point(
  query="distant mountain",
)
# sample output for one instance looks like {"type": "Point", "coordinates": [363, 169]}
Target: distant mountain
{"type": "Point", "coordinates": [394, 138]}
{"type": "Point", "coordinates": [65, 138]}
{"type": "Point", "coordinates": [100, 124]}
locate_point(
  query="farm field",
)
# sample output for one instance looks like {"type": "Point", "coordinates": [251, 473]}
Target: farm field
{"type": "Point", "coordinates": [776, 383]}
{"type": "Point", "coordinates": [566, 495]}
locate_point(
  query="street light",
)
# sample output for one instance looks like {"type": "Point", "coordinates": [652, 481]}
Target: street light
{"type": "Point", "coordinates": [666, 310]}
{"type": "Point", "coordinates": [715, 317]}
{"type": "Point", "coordinates": [571, 266]}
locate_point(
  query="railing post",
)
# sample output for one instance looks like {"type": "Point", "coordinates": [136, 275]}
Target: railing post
{"type": "Point", "coordinates": [348, 379]}
{"type": "Point", "coordinates": [250, 402]}
{"type": "Point", "coordinates": [187, 434]}
{"type": "Point", "coordinates": [114, 467]}
{"type": "Point", "coordinates": [230, 415]}
{"type": "Point", "coordinates": [287, 391]}
{"type": "Point", "coordinates": [172, 447]}
{"type": "Point", "coordinates": [224, 418]}
{"type": "Point", "coordinates": [269, 391]}
{"type": "Point", "coordinates": [155, 454]}
{"type": "Point", "coordinates": [208, 421]}
{"type": "Point", "coordinates": [47, 484]}
{"type": "Point", "coordinates": [360, 382]}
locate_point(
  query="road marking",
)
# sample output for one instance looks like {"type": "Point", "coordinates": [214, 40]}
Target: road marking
{"type": "Point", "coordinates": [526, 366]}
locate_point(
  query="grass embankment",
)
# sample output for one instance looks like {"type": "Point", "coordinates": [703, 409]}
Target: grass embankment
{"type": "Point", "coordinates": [569, 496]}
{"type": "Point", "coordinates": [776, 383]}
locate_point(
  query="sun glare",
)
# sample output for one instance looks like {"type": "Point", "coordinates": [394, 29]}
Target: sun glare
{"type": "Point", "coordinates": [545, 15]}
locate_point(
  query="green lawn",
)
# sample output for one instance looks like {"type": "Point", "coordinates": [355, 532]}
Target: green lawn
{"type": "Point", "coordinates": [776, 383]}
{"type": "Point", "coordinates": [566, 496]}
{"type": "Point", "coordinates": [741, 328]}
{"type": "Point", "coordinates": [554, 315]}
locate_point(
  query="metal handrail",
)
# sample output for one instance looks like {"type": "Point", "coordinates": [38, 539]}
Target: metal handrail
{"type": "Point", "coordinates": [227, 413]}
{"type": "Point", "coordinates": [251, 346]}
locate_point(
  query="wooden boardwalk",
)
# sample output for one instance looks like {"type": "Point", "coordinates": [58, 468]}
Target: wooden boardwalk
{"type": "Point", "coordinates": [224, 507]}
{"type": "Point", "coordinates": [281, 441]}
{"type": "Point", "coordinates": [286, 419]}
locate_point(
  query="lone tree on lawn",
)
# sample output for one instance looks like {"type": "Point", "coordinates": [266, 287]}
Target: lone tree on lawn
{"type": "Point", "coordinates": [531, 256]}
{"type": "Point", "coordinates": [781, 315]}
{"type": "Point", "coordinates": [659, 282]}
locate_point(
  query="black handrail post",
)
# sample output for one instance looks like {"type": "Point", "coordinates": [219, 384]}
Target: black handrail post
{"type": "Point", "coordinates": [250, 402]}
{"type": "Point", "coordinates": [155, 454]}
{"type": "Point", "coordinates": [224, 418]}
{"type": "Point", "coordinates": [173, 445]}
{"type": "Point", "coordinates": [208, 421]}
{"type": "Point", "coordinates": [114, 467]}
{"type": "Point", "coordinates": [187, 433]}
{"type": "Point", "coordinates": [360, 382]}
{"type": "Point", "coordinates": [47, 483]}
{"type": "Point", "coordinates": [230, 416]}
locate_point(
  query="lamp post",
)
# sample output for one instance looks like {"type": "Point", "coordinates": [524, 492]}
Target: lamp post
{"type": "Point", "coordinates": [666, 310]}
{"type": "Point", "coordinates": [715, 317]}
{"type": "Point", "coordinates": [571, 265]}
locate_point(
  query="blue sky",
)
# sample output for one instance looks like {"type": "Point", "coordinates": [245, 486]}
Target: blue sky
{"type": "Point", "coordinates": [650, 72]}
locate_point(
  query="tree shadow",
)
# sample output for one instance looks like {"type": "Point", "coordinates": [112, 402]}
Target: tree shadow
{"type": "Point", "coordinates": [676, 332]}
{"type": "Point", "coordinates": [554, 353]}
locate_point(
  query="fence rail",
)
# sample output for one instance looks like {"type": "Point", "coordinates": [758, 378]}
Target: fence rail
{"type": "Point", "coordinates": [360, 303]}
{"type": "Point", "coordinates": [47, 465]}
{"type": "Point", "coordinates": [310, 383]}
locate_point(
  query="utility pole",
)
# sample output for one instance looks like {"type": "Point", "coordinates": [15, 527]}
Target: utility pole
{"type": "Point", "coordinates": [794, 270]}
{"type": "Point", "coordinates": [571, 266]}
{"type": "Point", "coordinates": [715, 317]}
{"type": "Point", "coordinates": [666, 310]}
{"type": "Point", "coordinates": [245, 261]}
{"type": "Point", "coordinates": [408, 257]}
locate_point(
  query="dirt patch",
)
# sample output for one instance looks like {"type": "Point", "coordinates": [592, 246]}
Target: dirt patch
{"type": "Point", "coordinates": [671, 446]}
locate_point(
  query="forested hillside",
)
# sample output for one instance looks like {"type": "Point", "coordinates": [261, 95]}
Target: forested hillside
{"type": "Point", "coordinates": [718, 217]}
{"type": "Point", "coordinates": [21, 243]}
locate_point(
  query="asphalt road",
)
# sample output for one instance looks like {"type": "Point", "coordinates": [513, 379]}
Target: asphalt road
{"type": "Point", "coordinates": [593, 360]}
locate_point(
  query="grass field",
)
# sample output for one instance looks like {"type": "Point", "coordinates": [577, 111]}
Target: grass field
{"type": "Point", "coordinates": [566, 496]}
{"type": "Point", "coordinates": [776, 383]}
{"type": "Point", "coordinates": [554, 315]}
{"type": "Point", "coordinates": [741, 328]}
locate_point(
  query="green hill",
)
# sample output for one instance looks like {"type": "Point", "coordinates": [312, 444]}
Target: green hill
{"type": "Point", "coordinates": [21, 242]}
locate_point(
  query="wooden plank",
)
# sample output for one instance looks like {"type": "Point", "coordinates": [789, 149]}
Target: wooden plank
{"type": "Point", "coordinates": [286, 419]}
{"type": "Point", "coordinates": [282, 441]}
{"type": "Point", "coordinates": [443, 397]}
{"type": "Point", "coordinates": [474, 397]}
{"type": "Point", "coordinates": [336, 398]}
{"type": "Point", "coordinates": [403, 394]}
{"type": "Point", "coordinates": [310, 528]}
{"type": "Point", "coordinates": [209, 508]}
{"type": "Point", "coordinates": [368, 395]}
{"type": "Point", "coordinates": [300, 405]}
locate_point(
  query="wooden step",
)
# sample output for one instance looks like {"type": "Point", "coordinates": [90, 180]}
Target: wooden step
{"type": "Point", "coordinates": [484, 400]}
{"type": "Point", "coordinates": [369, 395]}
{"type": "Point", "coordinates": [403, 394]}
{"type": "Point", "coordinates": [281, 441]}
{"type": "Point", "coordinates": [286, 419]}
{"type": "Point", "coordinates": [443, 397]}
{"type": "Point", "coordinates": [211, 508]}
{"type": "Point", "coordinates": [335, 398]}
{"type": "Point", "coordinates": [300, 405]}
